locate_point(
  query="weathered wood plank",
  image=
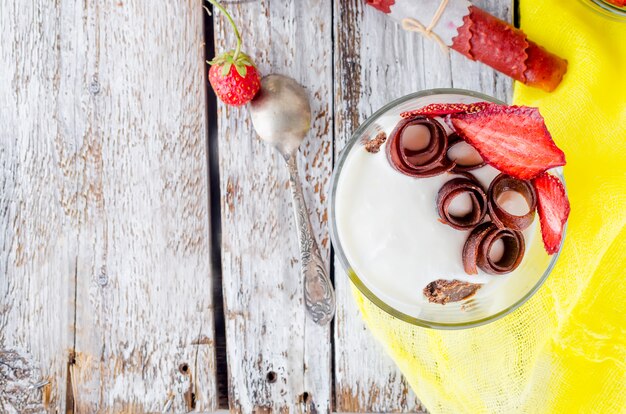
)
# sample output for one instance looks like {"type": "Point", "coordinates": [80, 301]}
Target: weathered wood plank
{"type": "Point", "coordinates": [37, 199]}
{"type": "Point", "coordinates": [144, 324]}
{"type": "Point", "coordinates": [278, 359]}
{"type": "Point", "coordinates": [375, 62]}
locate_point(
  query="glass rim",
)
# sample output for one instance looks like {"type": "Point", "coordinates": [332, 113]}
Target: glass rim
{"type": "Point", "coordinates": [606, 9]}
{"type": "Point", "coordinates": [338, 249]}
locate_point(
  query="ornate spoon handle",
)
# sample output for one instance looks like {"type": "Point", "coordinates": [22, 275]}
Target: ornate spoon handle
{"type": "Point", "coordinates": [319, 296]}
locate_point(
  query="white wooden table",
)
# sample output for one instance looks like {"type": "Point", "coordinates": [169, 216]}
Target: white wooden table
{"type": "Point", "coordinates": [129, 202]}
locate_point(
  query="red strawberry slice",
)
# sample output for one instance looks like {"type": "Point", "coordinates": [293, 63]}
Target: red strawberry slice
{"type": "Point", "coordinates": [447, 109]}
{"type": "Point", "coordinates": [513, 139]}
{"type": "Point", "coordinates": [619, 3]}
{"type": "Point", "coordinates": [553, 208]}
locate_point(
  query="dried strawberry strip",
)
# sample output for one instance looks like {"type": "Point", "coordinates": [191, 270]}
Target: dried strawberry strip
{"type": "Point", "coordinates": [502, 218]}
{"type": "Point", "coordinates": [426, 162]}
{"type": "Point", "coordinates": [486, 38]}
{"type": "Point", "coordinates": [454, 139]}
{"type": "Point", "coordinates": [382, 5]}
{"type": "Point", "coordinates": [455, 188]}
{"type": "Point", "coordinates": [446, 109]}
{"type": "Point", "coordinates": [477, 248]}
{"type": "Point", "coordinates": [496, 43]}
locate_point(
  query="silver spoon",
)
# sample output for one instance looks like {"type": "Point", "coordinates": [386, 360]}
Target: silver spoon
{"type": "Point", "coordinates": [281, 115]}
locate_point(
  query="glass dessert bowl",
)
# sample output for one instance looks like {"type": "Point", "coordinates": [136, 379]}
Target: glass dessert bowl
{"type": "Point", "coordinates": [389, 232]}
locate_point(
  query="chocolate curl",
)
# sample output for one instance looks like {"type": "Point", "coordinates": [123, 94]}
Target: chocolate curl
{"type": "Point", "coordinates": [455, 188]}
{"type": "Point", "coordinates": [477, 249]}
{"type": "Point", "coordinates": [426, 162]}
{"type": "Point", "coordinates": [454, 139]}
{"type": "Point", "coordinates": [373, 145]}
{"type": "Point", "coordinates": [502, 218]}
{"type": "Point", "coordinates": [479, 36]}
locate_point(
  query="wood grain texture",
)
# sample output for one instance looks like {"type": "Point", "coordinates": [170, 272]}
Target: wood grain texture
{"type": "Point", "coordinates": [267, 328]}
{"type": "Point", "coordinates": [37, 198]}
{"type": "Point", "coordinates": [375, 62]}
{"type": "Point", "coordinates": [144, 325]}
{"type": "Point", "coordinates": [104, 199]}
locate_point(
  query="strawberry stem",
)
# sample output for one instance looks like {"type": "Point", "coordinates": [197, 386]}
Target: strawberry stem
{"type": "Point", "coordinates": [232, 23]}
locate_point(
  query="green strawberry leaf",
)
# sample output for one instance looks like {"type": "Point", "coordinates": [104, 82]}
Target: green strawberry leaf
{"type": "Point", "coordinates": [219, 60]}
{"type": "Point", "coordinates": [226, 57]}
{"type": "Point", "coordinates": [242, 70]}
{"type": "Point", "coordinates": [227, 60]}
{"type": "Point", "coordinates": [245, 60]}
{"type": "Point", "coordinates": [226, 68]}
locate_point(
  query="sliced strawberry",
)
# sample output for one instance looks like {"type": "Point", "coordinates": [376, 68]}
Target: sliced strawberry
{"type": "Point", "coordinates": [553, 208]}
{"type": "Point", "coordinates": [513, 139]}
{"type": "Point", "coordinates": [618, 3]}
{"type": "Point", "coordinates": [447, 109]}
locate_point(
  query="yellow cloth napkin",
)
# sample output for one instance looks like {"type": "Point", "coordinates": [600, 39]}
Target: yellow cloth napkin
{"type": "Point", "coordinates": [564, 351]}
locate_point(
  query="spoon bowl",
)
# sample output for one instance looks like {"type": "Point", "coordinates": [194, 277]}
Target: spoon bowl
{"type": "Point", "coordinates": [281, 113]}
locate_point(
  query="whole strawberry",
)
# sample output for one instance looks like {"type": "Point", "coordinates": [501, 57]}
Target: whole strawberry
{"type": "Point", "coordinates": [233, 76]}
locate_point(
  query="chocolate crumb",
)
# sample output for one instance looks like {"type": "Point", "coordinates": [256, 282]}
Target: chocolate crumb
{"type": "Point", "coordinates": [467, 306]}
{"type": "Point", "coordinates": [373, 145]}
{"type": "Point", "coordinates": [443, 291]}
